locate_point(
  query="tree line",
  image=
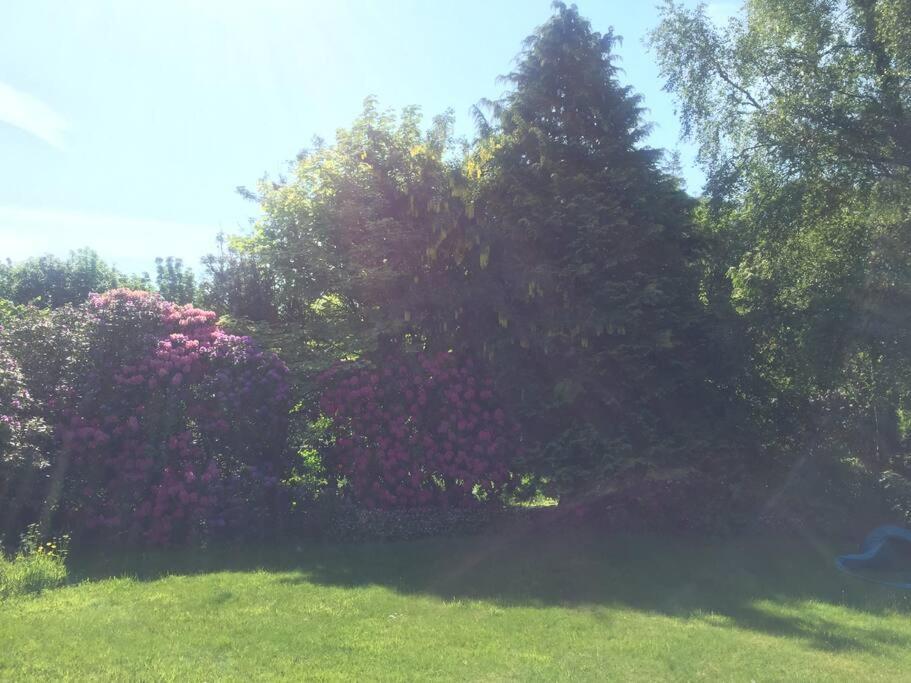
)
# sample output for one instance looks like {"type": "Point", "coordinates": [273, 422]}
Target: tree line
{"type": "Point", "coordinates": [637, 334]}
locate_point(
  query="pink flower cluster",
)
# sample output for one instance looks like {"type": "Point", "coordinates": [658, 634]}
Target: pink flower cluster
{"type": "Point", "coordinates": [184, 409]}
{"type": "Point", "coordinates": [419, 432]}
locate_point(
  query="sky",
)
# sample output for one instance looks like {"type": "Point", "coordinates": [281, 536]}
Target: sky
{"type": "Point", "coordinates": [127, 126]}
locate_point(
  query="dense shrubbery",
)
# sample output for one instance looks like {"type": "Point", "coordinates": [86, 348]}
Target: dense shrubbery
{"type": "Point", "coordinates": [26, 439]}
{"type": "Point", "coordinates": [801, 113]}
{"type": "Point", "coordinates": [662, 359]}
{"type": "Point", "coordinates": [22, 431]}
{"type": "Point", "coordinates": [554, 251]}
{"type": "Point", "coordinates": [165, 426]}
{"type": "Point", "coordinates": [181, 427]}
{"type": "Point", "coordinates": [418, 432]}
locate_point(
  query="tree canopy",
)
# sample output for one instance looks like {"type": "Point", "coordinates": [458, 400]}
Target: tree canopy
{"type": "Point", "coordinates": [51, 282]}
{"type": "Point", "coordinates": [801, 113]}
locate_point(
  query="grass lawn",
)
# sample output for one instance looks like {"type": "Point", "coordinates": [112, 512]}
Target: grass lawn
{"type": "Point", "coordinates": [519, 607]}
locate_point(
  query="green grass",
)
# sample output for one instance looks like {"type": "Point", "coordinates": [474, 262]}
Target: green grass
{"type": "Point", "coordinates": [522, 607]}
{"type": "Point", "coordinates": [28, 573]}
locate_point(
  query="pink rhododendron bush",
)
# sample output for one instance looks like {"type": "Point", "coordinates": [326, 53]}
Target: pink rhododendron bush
{"type": "Point", "coordinates": [423, 431]}
{"type": "Point", "coordinates": [168, 428]}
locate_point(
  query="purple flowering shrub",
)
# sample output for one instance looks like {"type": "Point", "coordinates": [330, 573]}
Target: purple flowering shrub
{"type": "Point", "coordinates": [421, 432]}
{"type": "Point", "coordinates": [172, 428]}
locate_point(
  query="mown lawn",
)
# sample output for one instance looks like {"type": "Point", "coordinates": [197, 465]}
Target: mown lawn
{"type": "Point", "coordinates": [517, 607]}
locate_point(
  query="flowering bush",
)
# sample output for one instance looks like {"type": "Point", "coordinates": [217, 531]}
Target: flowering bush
{"type": "Point", "coordinates": [166, 426]}
{"type": "Point", "coordinates": [417, 433]}
{"type": "Point", "coordinates": [186, 430]}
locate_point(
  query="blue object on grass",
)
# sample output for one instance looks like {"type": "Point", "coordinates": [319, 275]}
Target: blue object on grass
{"type": "Point", "coordinates": [877, 552]}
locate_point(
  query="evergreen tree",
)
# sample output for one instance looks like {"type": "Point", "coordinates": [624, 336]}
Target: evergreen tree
{"type": "Point", "coordinates": [586, 298]}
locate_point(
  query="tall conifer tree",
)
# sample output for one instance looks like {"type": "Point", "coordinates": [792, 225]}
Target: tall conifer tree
{"type": "Point", "coordinates": [587, 298]}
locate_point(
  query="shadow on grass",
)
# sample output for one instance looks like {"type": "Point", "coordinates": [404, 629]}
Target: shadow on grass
{"type": "Point", "coordinates": [769, 585]}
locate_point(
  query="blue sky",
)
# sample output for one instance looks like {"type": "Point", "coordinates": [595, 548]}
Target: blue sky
{"type": "Point", "coordinates": [127, 126]}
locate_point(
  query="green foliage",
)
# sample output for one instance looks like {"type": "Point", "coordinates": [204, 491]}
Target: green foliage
{"type": "Point", "coordinates": [238, 282]}
{"type": "Point", "coordinates": [801, 110]}
{"type": "Point", "coordinates": [173, 282]}
{"type": "Point", "coordinates": [896, 490]}
{"type": "Point", "coordinates": [341, 264]}
{"type": "Point", "coordinates": [51, 282]}
{"type": "Point", "coordinates": [632, 329]}
{"type": "Point", "coordinates": [38, 565]}
{"type": "Point", "coordinates": [554, 248]}
{"type": "Point", "coordinates": [356, 227]}
{"type": "Point", "coordinates": [43, 353]}
{"type": "Point", "coordinates": [21, 428]}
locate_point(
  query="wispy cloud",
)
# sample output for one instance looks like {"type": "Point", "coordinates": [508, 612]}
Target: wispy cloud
{"type": "Point", "coordinates": [129, 242]}
{"type": "Point", "coordinates": [30, 114]}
